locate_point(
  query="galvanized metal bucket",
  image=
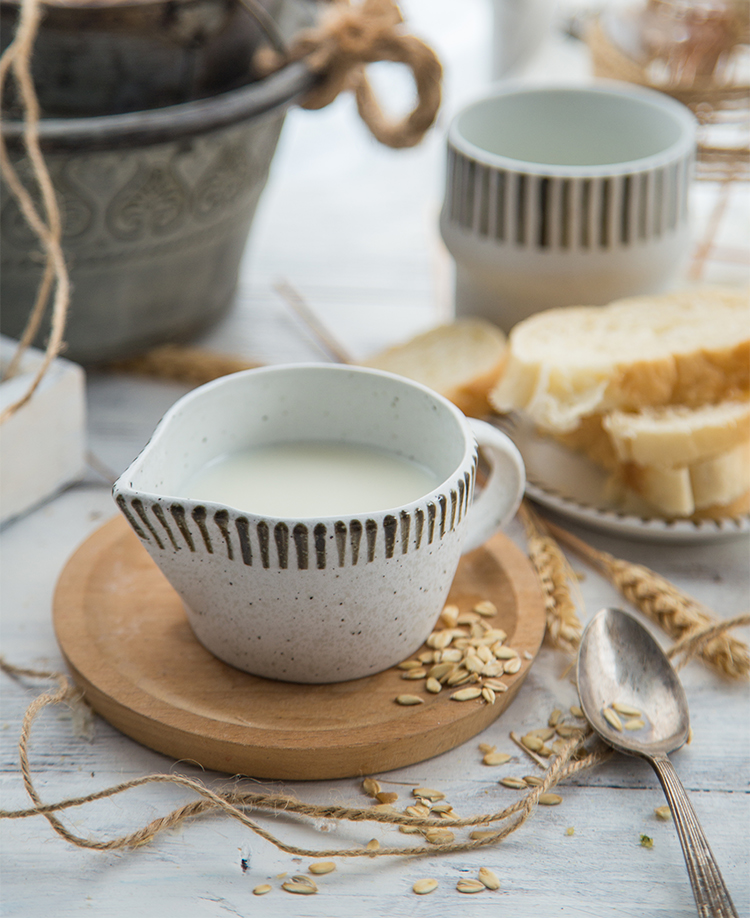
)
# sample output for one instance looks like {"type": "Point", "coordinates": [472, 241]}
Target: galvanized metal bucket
{"type": "Point", "coordinates": [158, 201]}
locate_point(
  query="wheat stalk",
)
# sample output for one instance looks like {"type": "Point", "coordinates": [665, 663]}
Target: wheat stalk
{"type": "Point", "coordinates": [678, 614]}
{"type": "Point", "coordinates": [557, 579]}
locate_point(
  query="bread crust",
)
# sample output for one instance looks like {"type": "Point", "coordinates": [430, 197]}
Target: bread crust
{"type": "Point", "coordinates": [688, 348]}
{"type": "Point", "coordinates": [462, 361]}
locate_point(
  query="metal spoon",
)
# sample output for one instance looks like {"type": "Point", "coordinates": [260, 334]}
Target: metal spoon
{"type": "Point", "coordinates": [620, 663]}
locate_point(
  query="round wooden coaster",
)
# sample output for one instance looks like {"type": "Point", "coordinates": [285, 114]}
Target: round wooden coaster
{"type": "Point", "coordinates": [127, 642]}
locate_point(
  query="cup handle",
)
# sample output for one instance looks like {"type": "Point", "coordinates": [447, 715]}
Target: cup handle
{"type": "Point", "coordinates": [502, 493]}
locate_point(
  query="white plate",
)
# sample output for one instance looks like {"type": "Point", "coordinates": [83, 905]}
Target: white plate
{"type": "Point", "coordinates": [568, 483]}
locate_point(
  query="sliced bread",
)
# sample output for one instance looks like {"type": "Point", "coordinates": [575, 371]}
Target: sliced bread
{"type": "Point", "coordinates": [662, 436]}
{"type": "Point", "coordinates": [462, 361]}
{"type": "Point", "coordinates": [688, 348]}
{"type": "Point", "coordinates": [671, 436]}
{"type": "Point", "coordinates": [719, 482]}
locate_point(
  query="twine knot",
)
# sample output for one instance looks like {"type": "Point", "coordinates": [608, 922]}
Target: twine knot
{"type": "Point", "coordinates": [337, 50]}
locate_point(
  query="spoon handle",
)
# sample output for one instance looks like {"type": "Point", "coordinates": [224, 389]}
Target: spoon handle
{"type": "Point", "coordinates": [709, 890]}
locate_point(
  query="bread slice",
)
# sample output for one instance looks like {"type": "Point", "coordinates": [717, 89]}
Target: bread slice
{"type": "Point", "coordinates": [462, 361]}
{"type": "Point", "coordinates": [690, 490]}
{"type": "Point", "coordinates": [673, 436]}
{"type": "Point", "coordinates": [662, 436]}
{"type": "Point", "coordinates": [688, 348]}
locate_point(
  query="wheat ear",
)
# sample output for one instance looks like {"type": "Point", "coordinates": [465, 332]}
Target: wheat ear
{"type": "Point", "coordinates": [677, 613]}
{"type": "Point", "coordinates": [558, 582]}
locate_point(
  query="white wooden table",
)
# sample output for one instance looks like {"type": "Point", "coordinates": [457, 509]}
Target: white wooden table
{"type": "Point", "coordinates": [353, 227]}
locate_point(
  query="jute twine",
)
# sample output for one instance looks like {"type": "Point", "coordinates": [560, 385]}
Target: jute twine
{"type": "Point", "coordinates": [16, 59]}
{"type": "Point", "coordinates": [235, 803]}
{"type": "Point", "coordinates": [347, 38]}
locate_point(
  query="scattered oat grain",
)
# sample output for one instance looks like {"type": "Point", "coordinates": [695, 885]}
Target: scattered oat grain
{"type": "Point", "coordinates": [410, 665]}
{"type": "Point", "coordinates": [629, 711]}
{"type": "Point", "coordinates": [486, 608]}
{"type": "Point", "coordinates": [441, 808]}
{"type": "Point", "coordinates": [439, 639]}
{"type": "Point", "coordinates": [466, 695]}
{"type": "Point", "coordinates": [373, 844]}
{"type": "Point", "coordinates": [432, 685]}
{"type": "Point", "coordinates": [418, 673]}
{"type": "Point", "coordinates": [513, 782]}
{"type": "Point", "coordinates": [371, 786]}
{"type": "Point", "coordinates": [417, 810]}
{"type": "Point", "coordinates": [473, 663]}
{"type": "Point", "coordinates": [495, 685]}
{"type": "Point", "coordinates": [495, 759]}
{"type": "Point", "coordinates": [635, 724]}
{"type": "Point", "coordinates": [612, 718]}
{"type": "Point", "coordinates": [409, 700]}
{"type": "Point", "coordinates": [469, 886]}
{"type": "Point", "coordinates": [440, 837]}
{"type": "Point", "coordinates": [440, 670]}
{"type": "Point", "coordinates": [321, 868]}
{"type": "Point", "coordinates": [533, 780]}
{"type": "Point", "coordinates": [387, 797]}
{"type": "Point", "coordinates": [488, 695]}
{"type": "Point", "coordinates": [492, 669]}
{"type": "Point", "coordinates": [663, 812]}
{"type": "Point", "coordinates": [431, 794]}
{"type": "Point", "coordinates": [300, 884]}
{"type": "Point", "coordinates": [554, 718]}
{"type": "Point", "coordinates": [489, 879]}
{"type": "Point", "coordinates": [550, 798]}
{"type": "Point", "coordinates": [424, 886]}
{"type": "Point", "coordinates": [262, 889]}
{"type": "Point", "coordinates": [533, 743]}
{"type": "Point", "coordinates": [544, 734]}
{"type": "Point", "coordinates": [577, 711]}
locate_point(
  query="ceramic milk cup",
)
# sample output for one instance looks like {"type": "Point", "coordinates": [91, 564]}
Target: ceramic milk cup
{"type": "Point", "coordinates": [565, 195]}
{"type": "Point", "coordinates": [321, 598]}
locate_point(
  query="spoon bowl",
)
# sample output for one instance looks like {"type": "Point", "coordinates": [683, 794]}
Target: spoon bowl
{"type": "Point", "coordinates": [633, 699]}
{"type": "Point", "coordinates": [621, 663]}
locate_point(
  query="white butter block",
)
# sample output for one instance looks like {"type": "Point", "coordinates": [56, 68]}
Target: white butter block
{"type": "Point", "coordinates": [43, 445]}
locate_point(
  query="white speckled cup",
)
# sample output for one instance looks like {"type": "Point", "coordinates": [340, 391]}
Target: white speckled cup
{"type": "Point", "coordinates": [325, 599]}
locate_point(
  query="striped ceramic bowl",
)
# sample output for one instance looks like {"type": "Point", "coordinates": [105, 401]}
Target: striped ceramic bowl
{"type": "Point", "coordinates": [565, 195]}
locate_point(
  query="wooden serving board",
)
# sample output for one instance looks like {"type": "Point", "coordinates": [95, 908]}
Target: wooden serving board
{"type": "Point", "coordinates": [128, 644]}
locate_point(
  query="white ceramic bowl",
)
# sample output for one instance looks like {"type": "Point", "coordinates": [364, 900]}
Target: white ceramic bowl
{"type": "Point", "coordinates": [565, 195]}
{"type": "Point", "coordinates": [316, 599]}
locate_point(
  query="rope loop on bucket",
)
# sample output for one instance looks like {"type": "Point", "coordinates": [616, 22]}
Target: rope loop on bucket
{"type": "Point", "coordinates": [338, 48]}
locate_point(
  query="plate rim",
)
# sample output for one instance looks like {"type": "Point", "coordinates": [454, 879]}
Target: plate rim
{"type": "Point", "coordinates": [610, 519]}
